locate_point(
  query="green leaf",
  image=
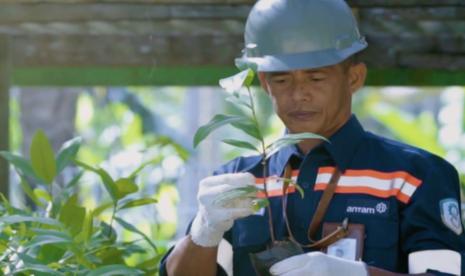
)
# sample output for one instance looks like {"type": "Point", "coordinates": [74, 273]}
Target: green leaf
{"type": "Point", "coordinates": [108, 182]}
{"type": "Point", "coordinates": [259, 203]}
{"type": "Point", "coordinates": [131, 248]}
{"type": "Point", "coordinates": [47, 239]}
{"type": "Point", "coordinates": [72, 216]}
{"type": "Point", "coordinates": [87, 228]}
{"type": "Point", "coordinates": [42, 157]}
{"type": "Point", "coordinates": [20, 218]}
{"type": "Point", "coordinates": [297, 186]}
{"type": "Point", "coordinates": [218, 121]}
{"type": "Point", "coordinates": [85, 166]}
{"type": "Point", "coordinates": [250, 76]}
{"type": "Point", "coordinates": [124, 187]}
{"type": "Point", "coordinates": [136, 202]}
{"type": "Point", "coordinates": [42, 194]}
{"type": "Point", "coordinates": [38, 268]}
{"type": "Point", "coordinates": [110, 255]}
{"type": "Point", "coordinates": [249, 127]}
{"type": "Point", "coordinates": [107, 232]}
{"type": "Point", "coordinates": [50, 253]}
{"type": "Point", "coordinates": [6, 204]}
{"type": "Point", "coordinates": [133, 229]}
{"type": "Point", "coordinates": [116, 269]}
{"type": "Point", "coordinates": [50, 232]}
{"type": "Point", "coordinates": [22, 165]}
{"type": "Point", "coordinates": [291, 139]}
{"type": "Point", "coordinates": [241, 144]}
{"type": "Point", "coordinates": [27, 189]}
{"type": "Point", "coordinates": [75, 180]}
{"type": "Point", "coordinates": [67, 153]}
{"type": "Point", "coordinates": [238, 102]}
{"type": "Point", "coordinates": [241, 192]}
{"type": "Point", "coordinates": [102, 207]}
{"type": "Point", "coordinates": [237, 81]}
{"type": "Point", "coordinates": [154, 161]}
{"type": "Point", "coordinates": [150, 266]}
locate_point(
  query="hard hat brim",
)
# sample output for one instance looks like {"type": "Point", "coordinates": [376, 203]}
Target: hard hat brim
{"type": "Point", "coordinates": [307, 60]}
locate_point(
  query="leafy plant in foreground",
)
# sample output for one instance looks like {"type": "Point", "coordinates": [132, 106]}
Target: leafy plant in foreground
{"type": "Point", "coordinates": [63, 237]}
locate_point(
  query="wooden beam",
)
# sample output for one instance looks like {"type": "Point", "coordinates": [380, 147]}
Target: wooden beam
{"type": "Point", "coordinates": [413, 13]}
{"type": "Point", "coordinates": [433, 61]}
{"type": "Point", "coordinates": [4, 113]}
{"type": "Point", "coordinates": [125, 50]}
{"type": "Point", "coordinates": [405, 3]}
{"type": "Point", "coordinates": [52, 12]}
{"type": "Point", "coordinates": [71, 11]}
{"type": "Point", "coordinates": [202, 75]}
{"type": "Point", "coordinates": [148, 28]}
{"type": "Point", "coordinates": [173, 2]}
{"type": "Point", "coordinates": [208, 50]}
{"type": "Point", "coordinates": [393, 44]}
{"type": "Point", "coordinates": [355, 3]}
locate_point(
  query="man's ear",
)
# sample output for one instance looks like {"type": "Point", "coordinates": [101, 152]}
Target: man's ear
{"type": "Point", "coordinates": [262, 79]}
{"type": "Point", "coordinates": [357, 76]}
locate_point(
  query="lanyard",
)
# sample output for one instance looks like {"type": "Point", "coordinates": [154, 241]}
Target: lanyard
{"type": "Point", "coordinates": [339, 233]}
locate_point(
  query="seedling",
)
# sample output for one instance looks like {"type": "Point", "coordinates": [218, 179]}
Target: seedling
{"type": "Point", "coordinates": [249, 124]}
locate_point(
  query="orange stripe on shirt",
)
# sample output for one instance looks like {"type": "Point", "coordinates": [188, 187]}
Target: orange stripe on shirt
{"type": "Point", "coordinates": [366, 190]}
{"type": "Point", "coordinates": [377, 174]}
{"type": "Point", "coordinates": [277, 192]}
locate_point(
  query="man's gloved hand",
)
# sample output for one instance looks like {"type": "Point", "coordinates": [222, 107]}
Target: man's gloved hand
{"type": "Point", "coordinates": [216, 217]}
{"type": "Point", "coordinates": [318, 264]}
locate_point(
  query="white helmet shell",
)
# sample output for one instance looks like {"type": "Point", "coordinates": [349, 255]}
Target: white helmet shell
{"type": "Point", "coordinates": [284, 35]}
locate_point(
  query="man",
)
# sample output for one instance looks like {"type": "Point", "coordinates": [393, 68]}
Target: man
{"type": "Point", "coordinates": [402, 201]}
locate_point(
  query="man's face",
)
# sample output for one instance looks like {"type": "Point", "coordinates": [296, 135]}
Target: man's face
{"type": "Point", "coordinates": [316, 100]}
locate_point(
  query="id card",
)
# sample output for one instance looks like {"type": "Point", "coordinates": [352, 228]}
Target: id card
{"type": "Point", "coordinates": [351, 246]}
{"type": "Point", "coordinates": [343, 248]}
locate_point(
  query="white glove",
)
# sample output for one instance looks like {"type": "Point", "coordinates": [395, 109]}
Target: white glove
{"type": "Point", "coordinates": [318, 264]}
{"type": "Point", "coordinates": [216, 217]}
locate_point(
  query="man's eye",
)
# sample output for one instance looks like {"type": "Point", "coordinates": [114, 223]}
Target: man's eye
{"type": "Point", "coordinates": [280, 81]}
{"type": "Point", "coordinates": [317, 78]}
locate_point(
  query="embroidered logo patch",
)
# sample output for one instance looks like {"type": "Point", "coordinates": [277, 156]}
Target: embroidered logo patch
{"type": "Point", "coordinates": [367, 207]}
{"type": "Point", "coordinates": [450, 214]}
{"type": "Point", "coordinates": [381, 207]}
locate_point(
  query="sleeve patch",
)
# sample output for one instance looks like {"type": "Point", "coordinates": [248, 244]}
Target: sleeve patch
{"type": "Point", "coordinates": [450, 214]}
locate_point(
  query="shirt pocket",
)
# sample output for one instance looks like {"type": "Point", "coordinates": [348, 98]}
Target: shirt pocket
{"type": "Point", "coordinates": [381, 243]}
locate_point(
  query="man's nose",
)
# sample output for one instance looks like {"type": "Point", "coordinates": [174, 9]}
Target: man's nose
{"type": "Point", "coordinates": [302, 91]}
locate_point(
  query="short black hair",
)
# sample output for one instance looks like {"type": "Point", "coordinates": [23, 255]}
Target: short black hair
{"type": "Point", "coordinates": [352, 60]}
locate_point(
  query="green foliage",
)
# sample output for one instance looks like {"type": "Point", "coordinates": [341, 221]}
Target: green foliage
{"type": "Point", "coordinates": [62, 236]}
{"type": "Point", "coordinates": [42, 157]}
{"type": "Point", "coordinates": [240, 144]}
{"type": "Point", "coordinates": [420, 131]}
{"type": "Point", "coordinates": [215, 123]}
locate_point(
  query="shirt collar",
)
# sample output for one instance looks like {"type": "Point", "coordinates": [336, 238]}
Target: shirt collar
{"type": "Point", "coordinates": [342, 146]}
{"type": "Point", "coordinates": [344, 143]}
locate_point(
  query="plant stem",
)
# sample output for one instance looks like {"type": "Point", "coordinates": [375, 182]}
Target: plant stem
{"type": "Point", "coordinates": [264, 166]}
{"type": "Point", "coordinates": [112, 219]}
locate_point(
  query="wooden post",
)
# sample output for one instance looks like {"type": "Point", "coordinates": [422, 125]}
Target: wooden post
{"type": "Point", "coordinates": [4, 112]}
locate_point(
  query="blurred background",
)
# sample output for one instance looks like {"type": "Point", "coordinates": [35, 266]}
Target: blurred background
{"type": "Point", "coordinates": [135, 79]}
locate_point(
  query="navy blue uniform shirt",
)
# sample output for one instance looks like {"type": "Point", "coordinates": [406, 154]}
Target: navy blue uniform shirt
{"type": "Point", "coordinates": [407, 198]}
